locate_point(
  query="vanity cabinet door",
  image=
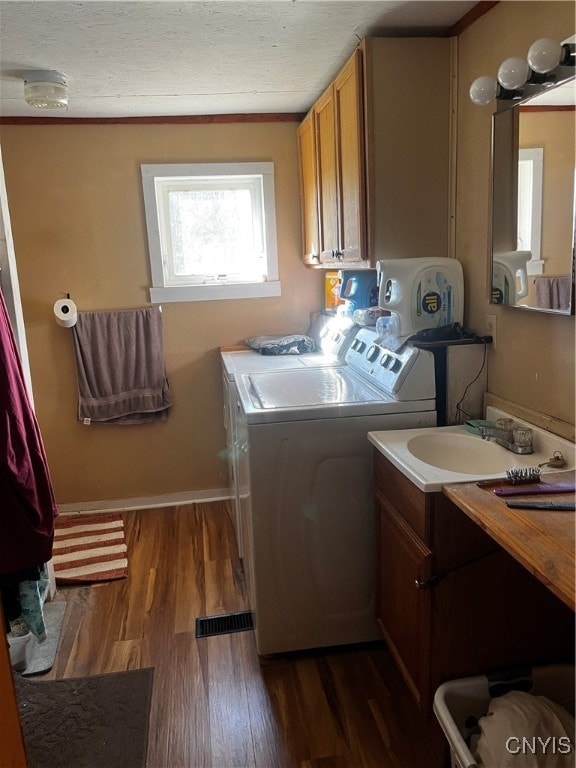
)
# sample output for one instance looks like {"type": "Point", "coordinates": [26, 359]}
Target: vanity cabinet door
{"type": "Point", "coordinates": [309, 189]}
{"type": "Point", "coordinates": [404, 608]}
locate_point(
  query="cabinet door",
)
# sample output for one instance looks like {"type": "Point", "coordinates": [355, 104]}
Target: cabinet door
{"type": "Point", "coordinates": [309, 189]}
{"type": "Point", "coordinates": [350, 161]}
{"type": "Point", "coordinates": [403, 609]}
{"type": "Point", "coordinates": [327, 176]}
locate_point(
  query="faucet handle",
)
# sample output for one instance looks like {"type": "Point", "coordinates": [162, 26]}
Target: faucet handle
{"type": "Point", "coordinates": [522, 436]}
{"type": "Point", "coordinates": [507, 424]}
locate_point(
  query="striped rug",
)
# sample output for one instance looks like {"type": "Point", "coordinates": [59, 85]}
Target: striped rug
{"type": "Point", "coordinates": [89, 548]}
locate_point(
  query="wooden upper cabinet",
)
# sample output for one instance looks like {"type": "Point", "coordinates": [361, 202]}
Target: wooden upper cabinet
{"type": "Point", "coordinates": [350, 161]}
{"type": "Point", "coordinates": [327, 174]}
{"type": "Point", "coordinates": [331, 148]}
{"type": "Point", "coordinates": [309, 189]}
{"type": "Point", "coordinates": [383, 158]}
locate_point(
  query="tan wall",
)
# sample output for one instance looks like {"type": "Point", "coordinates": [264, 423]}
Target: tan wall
{"type": "Point", "coordinates": [77, 216]}
{"type": "Point", "coordinates": [533, 363]}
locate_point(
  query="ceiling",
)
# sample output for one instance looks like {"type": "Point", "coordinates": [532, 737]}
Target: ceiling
{"type": "Point", "coordinates": [195, 57]}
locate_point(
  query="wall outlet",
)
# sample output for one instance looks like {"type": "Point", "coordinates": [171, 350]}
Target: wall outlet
{"type": "Point", "coordinates": [491, 328]}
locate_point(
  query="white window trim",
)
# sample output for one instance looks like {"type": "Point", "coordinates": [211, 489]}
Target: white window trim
{"type": "Point", "coordinates": [160, 292]}
{"type": "Point", "coordinates": [532, 161]}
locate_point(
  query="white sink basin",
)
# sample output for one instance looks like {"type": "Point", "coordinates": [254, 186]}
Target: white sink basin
{"type": "Point", "coordinates": [435, 456]}
{"type": "Point", "coordinates": [459, 453]}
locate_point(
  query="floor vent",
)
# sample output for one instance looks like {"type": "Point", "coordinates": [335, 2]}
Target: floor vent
{"type": "Point", "coordinates": [207, 626]}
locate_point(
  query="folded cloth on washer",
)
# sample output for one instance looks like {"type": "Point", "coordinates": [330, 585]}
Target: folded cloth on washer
{"type": "Point", "coordinates": [120, 366]}
{"type": "Point", "coordinates": [280, 344]}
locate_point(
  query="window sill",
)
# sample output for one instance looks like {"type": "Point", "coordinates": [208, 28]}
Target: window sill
{"type": "Point", "coordinates": [215, 292]}
{"type": "Point", "coordinates": [535, 267]}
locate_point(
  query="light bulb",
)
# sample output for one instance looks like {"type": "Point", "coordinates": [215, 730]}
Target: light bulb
{"type": "Point", "coordinates": [483, 90]}
{"type": "Point", "coordinates": [513, 73]}
{"type": "Point", "coordinates": [544, 55]}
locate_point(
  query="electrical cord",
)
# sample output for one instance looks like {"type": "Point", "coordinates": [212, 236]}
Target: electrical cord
{"type": "Point", "coordinates": [461, 415]}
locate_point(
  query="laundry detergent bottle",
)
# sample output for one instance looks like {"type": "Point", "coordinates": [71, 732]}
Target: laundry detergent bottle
{"type": "Point", "coordinates": [510, 276]}
{"type": "Point", "coordinates": [358, 289]}
{"type": "Point", "coordinates": [421, 293]}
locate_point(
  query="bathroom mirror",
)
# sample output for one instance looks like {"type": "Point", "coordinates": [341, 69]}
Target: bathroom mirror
{"type": "Point", "coordinates": [533, 201]}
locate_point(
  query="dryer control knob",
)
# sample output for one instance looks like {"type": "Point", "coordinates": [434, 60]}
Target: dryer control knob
{"type": "Point", "coordinates": [372, 353]}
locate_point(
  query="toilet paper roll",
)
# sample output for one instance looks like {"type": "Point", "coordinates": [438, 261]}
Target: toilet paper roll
{"type": "Point", "coordinates": [65, 313]}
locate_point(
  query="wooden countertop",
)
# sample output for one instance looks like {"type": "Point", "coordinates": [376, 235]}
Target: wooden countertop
{"type": "Point", "coordinates": [542, 541]}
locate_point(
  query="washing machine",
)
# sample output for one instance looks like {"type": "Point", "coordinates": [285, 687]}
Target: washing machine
{"type": "Point", "coordinates": [305, 489]}
{"type": "Point", "coordinates": [332, 334]}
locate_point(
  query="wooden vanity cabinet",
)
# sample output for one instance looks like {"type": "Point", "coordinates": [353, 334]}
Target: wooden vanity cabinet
{"type": "Point", "coordinates": [450, 602]}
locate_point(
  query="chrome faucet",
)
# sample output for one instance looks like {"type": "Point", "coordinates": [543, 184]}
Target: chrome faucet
{"type": "Point", "coordinates": [515, 439]}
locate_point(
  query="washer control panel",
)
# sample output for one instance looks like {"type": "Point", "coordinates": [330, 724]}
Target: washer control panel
{"type": "Point", "coordinates": [335, 337]}
{"type": "Point", "coordinates": [385, 368]}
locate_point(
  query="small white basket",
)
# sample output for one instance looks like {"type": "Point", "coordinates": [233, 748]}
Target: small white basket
{"type": "Point", "coordinates": [20, 651]}
{"type": "Point", "coordinates": [458, 700]}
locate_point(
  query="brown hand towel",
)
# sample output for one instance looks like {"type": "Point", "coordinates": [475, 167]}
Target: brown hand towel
{"type": "Point", "coordinates": [120, 366]}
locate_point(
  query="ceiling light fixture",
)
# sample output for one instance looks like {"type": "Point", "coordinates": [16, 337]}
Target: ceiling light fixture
{"type": "Point", "coordinates": [46, 89]}
{"type": "Point", "coordinates": [547, 64]}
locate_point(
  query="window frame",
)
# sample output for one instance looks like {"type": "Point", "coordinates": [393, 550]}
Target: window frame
{"type": "Point", "coordinates": [166, 290]}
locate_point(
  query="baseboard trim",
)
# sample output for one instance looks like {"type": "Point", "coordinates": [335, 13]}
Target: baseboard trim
{"type": "Point", "coordinates": [147, 502]}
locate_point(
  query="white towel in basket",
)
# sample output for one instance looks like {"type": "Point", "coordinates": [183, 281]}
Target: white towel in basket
{"type": "Point", "coordinates": [525, 731]}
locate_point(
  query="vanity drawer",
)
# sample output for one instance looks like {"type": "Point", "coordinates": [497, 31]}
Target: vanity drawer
{"type": "Point", "coordinates": [412, 504]}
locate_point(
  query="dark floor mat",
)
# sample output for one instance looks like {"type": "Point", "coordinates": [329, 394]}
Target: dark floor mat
{"type": "Point", "coordinates": [86, 722]}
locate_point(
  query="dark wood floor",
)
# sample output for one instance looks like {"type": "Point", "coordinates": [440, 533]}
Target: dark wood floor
{"type": "Point", "coordinates": [216, 704]}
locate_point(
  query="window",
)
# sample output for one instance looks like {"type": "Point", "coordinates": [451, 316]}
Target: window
{"type": "Point", "coordinates": [211, 231]}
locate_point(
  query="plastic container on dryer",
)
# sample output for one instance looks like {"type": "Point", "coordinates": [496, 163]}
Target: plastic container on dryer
{"type": "Point", "coordinates": [421, 293]}
{"type": "Point", "coordinates": [510, 276]}
{"type": "Point", "coordinates": [358, 289]}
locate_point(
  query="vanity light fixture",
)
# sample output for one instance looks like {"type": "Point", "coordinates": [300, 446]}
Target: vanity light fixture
{"type": "Point", "coordinates": [545, 65]}
{"type": "Point", "coordinates": [46, 89]}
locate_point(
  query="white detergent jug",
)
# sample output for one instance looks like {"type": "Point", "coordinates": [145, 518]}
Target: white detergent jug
{"type": "Point", "coordinates": [421, 293]}
{"type": "Point", "coordinates": [510, 276]}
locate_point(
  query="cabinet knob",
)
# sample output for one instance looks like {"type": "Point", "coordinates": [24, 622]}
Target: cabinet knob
{"type": "Point", "coordinates": [432, 581]}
